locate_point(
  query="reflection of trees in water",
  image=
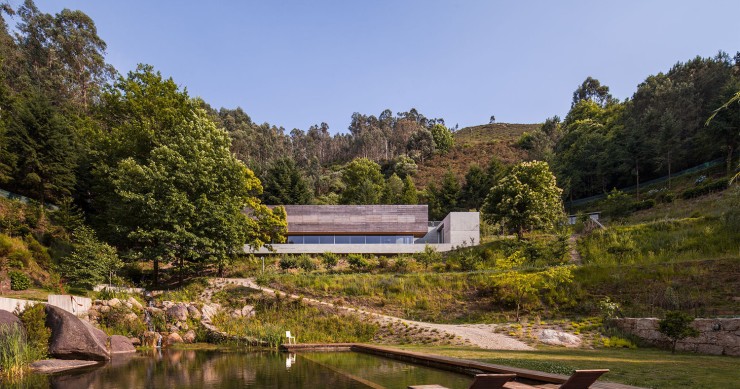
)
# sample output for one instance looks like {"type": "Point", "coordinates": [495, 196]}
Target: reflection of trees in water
{"type": "Point", "coordinates": [203, 369]}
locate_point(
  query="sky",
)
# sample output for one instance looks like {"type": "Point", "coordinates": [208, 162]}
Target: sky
{"type": "Point", "coordinates": [299, 63]}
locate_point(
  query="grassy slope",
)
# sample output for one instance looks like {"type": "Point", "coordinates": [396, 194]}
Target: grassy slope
{"type": "Point", "coordinates": [476, 144]}
{"type": "Point", "coordinates": [640, 367]}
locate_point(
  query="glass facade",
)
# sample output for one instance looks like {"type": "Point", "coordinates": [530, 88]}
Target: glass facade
{"type": "Point", "coordinates": [350, 239]}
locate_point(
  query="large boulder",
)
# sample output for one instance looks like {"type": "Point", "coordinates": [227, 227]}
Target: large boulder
{"type": "Point", "coordinates": [8, 319]}
{"type": "Point", "coordinates": [121, 345]}
{"type": "Point", "coordinates": [559, 338]}
{"type": "Point", "coordinates": [189, 337]}
{"type": "Point", "coordinates": [72, 338]}
{"type": "Point", "coordinates": [193, 312]}
{"type": "Point", "coordinates": [56, 365]}
{"type": "Point", "coordinates": [177, 313]}
{"type": "Point", "coordinates": [173, 338]}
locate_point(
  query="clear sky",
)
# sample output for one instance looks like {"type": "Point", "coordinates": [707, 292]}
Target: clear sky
{"type": "Point", "coordinates": [298, 63]}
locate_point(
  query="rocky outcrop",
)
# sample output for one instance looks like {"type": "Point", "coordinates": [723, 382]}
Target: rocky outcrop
{"type": "Point", "coordinates": [189, 337]}
{"type": "Point", "coordinates": [716, 336]}
{"type": "Point", "coordinates": [559, 338]}
{"type": "Point", "coordinates": [173, 338]}
{"type": "Point", "coordinates": [121, 345]}
{"type": "Point", "coordinates": [178, 312]}
{"type": "Point", "coordinates": [72, 338]}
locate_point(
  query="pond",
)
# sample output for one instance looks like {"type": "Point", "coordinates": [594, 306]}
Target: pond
{"type": "Point", "coordinates": [242, 369]}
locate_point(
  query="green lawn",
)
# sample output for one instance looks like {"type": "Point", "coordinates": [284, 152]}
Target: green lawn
{"type": "Point", "coordinates": [650, 368]}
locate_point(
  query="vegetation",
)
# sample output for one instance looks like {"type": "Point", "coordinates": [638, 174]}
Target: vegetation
{"type": "Point", "coordinates": [642, 367]}
{"type": "Point", "coordinates": [677, 326]}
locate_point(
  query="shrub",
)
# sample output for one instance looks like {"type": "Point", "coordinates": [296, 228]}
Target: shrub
{"type": "Point", "coordinates": [288, 262]}
{"type": "Point", "coordinates": [34, 321]}
{"type": "Point", "coordinates": [644, 204]}
{"type": "Point", "coordinates": [429, 256]}
{"type": "Point", "coordinates": [401, 265]}
{"type": "Point", "coordinates": [617, 204]}
{"type": "Point", "coordinates": [617, 342]}
{"type": "Point", "coordinates": [358, 262]}
{"type": "Point", "coordinates": [705, 188]}
{"type": "Point", "coordinates": [305, 262]}
{"type": "Point", "coordinates": [19, 281]}
{"type": "Point", "coordinates": [677, 326]}
{"type": "Point", "coordinates": [330, 260]}
{"type": "Point", "coordinates": [6, 245]}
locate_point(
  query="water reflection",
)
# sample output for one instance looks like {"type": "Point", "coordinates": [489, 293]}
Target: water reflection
{"type": "Point", "coordinates": [237, 369]}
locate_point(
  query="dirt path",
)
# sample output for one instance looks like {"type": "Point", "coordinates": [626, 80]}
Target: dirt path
{"type": "Point", "coordinates": [480, 335]}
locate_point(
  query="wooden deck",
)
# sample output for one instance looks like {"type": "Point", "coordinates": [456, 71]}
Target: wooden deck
{"type": "Point", "coordinates": [526, 376]}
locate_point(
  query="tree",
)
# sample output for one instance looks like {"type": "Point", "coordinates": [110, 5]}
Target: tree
{"type": "Point", "coordinates": [478, 183]}
{"type": "Point", "coordinates": [409, 195]}
{"type": "Point", "coordinates": [443, 200]}
{"type": "Point", "coordinates": [91, 261]}
{"type": "Point", "coordinates": [591, 89]}
{"type": "Point", "coordinates": [522, 286]}
{"type": "Point", "coordinates": [43, 143]}
{"type": "Point", "coordinates": [421, 145]}
{"type": "Point", "coordinates": [492, 119]}
{"type": "Point", "coordinates": [443, 139]}
{"type": "Point", "coordinates": [363, 182]}
{"type": "Point", "coordinates": [284, 184]}
{"type": "Point", "coordinates": [677, 326]}
{"type": "Point", "coordinates": [526, 199]}
{"type": "Point", "coordinates": [171, 190]}
{"type": "Point", "coordinates": [393, 190]}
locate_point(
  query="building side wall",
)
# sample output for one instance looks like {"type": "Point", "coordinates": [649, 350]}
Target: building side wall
{"type": "Point", "coordinates": [349, 248]}
{"type": "Point", "coordinates": [357, 219]}
{"type": "Point", "coordinates": [462, 228]}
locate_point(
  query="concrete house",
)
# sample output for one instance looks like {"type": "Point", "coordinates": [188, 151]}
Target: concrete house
{"type": "Point", "coordinates": [373, 229]}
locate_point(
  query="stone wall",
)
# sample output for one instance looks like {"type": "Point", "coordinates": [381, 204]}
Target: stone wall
{"type": "Point", "coordinates": [716, 336]}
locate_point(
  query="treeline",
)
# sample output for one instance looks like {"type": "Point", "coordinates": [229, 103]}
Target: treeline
{"type": "Point", "coordinates": [603, 143]}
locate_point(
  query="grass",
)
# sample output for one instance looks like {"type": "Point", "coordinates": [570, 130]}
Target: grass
{"type": "Point", "coordinates": [650, 368]}
{"type": "Point", "coordinates": [275, 315]}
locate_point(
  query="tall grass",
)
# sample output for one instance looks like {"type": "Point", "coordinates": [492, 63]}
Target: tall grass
{"type": "Point", "coordinates": [274, 316]}
{"type": "Point", "coordinates": [15, 352]}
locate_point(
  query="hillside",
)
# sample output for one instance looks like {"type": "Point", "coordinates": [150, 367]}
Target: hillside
{"type": "Point", "coordinates": [477, 144]}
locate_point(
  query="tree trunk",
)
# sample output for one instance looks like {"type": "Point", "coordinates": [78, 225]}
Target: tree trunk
{"type": "Point", "coordinates": [156, 272]}
{"type": "Point", "coordinates": [637, 173]}
{"type": "Point", "coordinates": [730, 151]}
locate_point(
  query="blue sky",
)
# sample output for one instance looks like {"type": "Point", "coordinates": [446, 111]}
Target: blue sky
{"type": "Point", "coordinates": [298, 63]}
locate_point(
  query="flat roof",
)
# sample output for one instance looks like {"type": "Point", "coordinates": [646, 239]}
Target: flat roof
{"type": "Point", "coordinates": [357, 219]}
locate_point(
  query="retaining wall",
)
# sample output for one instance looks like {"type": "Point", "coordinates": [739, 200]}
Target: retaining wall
{"type": "Point", "coordinates": [716, 336]}
{"type": "Point", "coordinates": [74, 304]}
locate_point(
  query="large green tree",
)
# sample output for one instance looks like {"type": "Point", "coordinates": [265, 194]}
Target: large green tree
{"type": "Point", "coordinates": [172, 190]}
{"type": "Point", "coordinates": [526, 199]}
{"type": "Point", "coordinates": [363, 182]}
{"type": "Point", "coordinates": [284, 184]}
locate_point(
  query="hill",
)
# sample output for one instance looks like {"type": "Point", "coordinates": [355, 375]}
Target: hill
{"type": "Point", "coordinates": [477, 144]}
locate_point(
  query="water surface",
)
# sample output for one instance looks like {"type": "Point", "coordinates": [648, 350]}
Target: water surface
{"type": "Point", "coordinates": [242, 369]}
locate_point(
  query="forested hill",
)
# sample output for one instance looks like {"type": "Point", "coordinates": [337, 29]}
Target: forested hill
{"type": "Point", "coordinates": [476, 145]}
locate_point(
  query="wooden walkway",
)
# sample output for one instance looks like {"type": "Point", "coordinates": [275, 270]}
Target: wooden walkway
{"type": "Point", "coordinates": [532, 377]}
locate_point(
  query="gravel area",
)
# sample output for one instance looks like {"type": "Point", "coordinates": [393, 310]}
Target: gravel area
{"type": "Point", "coordinates": [479, 335]}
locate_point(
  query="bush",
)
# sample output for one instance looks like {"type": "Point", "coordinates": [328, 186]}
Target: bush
{"type": "Point", "coordinates": [644, 204]}
{"type": "Point", "coordinates": [617, 342]}
{"type": "Point", "coordinates": [706, 188]}
{"type": "Point", "coordinates": [19, 281]}
{"type": "Point", "coordinates": [617, 204]}
{"type": "Point", "coordinates": [677, 326]}
{"type": "Point", "coordinates": [357, 262]}
{"type": "Point", "coordinates": [305, 262]}
{"type": "Point", "coordinates": [288, 262]}
{"type": "Point", "coordinates": [330, 260]}
{"type": "Point", "coordinates": [34, 321]}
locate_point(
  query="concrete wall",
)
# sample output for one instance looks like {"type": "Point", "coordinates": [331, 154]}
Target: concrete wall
{"type": "Point", "coordinates": [75, 304]}
{"type": "Point", "coordinates": [10, 305]}
{"type": "Point", "coordinates": [349, 248]}
{"type": "Point", "coordinates": [716, 336]}
{"type": "Point", "coordinates": [461, 228]}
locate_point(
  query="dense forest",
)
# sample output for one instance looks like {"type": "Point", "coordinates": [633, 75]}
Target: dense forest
{"type": "Point", "coordinates": [135, 156]}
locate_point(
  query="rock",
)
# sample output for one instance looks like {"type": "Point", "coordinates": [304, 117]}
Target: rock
{"type": "Point", "coordinates": [182, 325]}
{"type": "Point", "coordinates": [193, 312]}
{"type": "Point", "coordinates": [104, 309]}
{"type": "Point", "coordinates": [177, 313]}
{"type": "Point", "coordinates": [121, 345]}
{"type": "Point", "coordinates": [189, 337]}
{"type": "Point", "coordinates": [173, 338]}
{"type": "Point", "coordinates": [8, 319]}
{"type": "Point", "coordinates": [131, 317]}
{"type": "Point", "coordinates": [151, 339]}
{"type": "Point", "coordinates": [247, 311]}
{"type": "Point", "coordinates": [135, 341]}
{"type": "Point", "coordinates": [558, 338]}
{"type": "Point", "coordinates": [135, 303]}
{"type": "Point", "coordinates": [72, 338]}
{"type": "Point", "coordinates": [56, 365]}
{"type": "Point", "coordinates": [114, 302]}
{"type": "Point", "coordinates": [209, 310]}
